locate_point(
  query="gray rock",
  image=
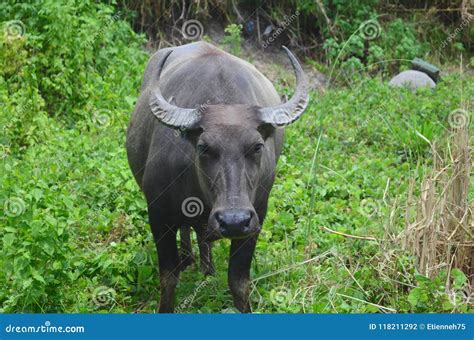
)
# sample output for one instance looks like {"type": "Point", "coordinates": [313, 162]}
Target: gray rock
{"type": "Point", "coordinates": [412, 79]}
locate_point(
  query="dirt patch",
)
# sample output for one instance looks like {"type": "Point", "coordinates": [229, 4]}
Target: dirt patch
{"type": "Point", "coordinates": [271, 61]}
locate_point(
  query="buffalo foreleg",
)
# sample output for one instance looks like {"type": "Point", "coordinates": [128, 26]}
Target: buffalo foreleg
{"type": "Point", "coordinates": [241, 253]}
{"type": "Point", "coordinates": [168, 262]}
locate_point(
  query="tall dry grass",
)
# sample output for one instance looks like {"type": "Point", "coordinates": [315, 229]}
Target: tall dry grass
{"type": "Point", "coordinates": [440, 229]}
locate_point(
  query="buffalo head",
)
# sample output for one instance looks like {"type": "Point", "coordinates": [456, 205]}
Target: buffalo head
{"type": "Point", "coordinates": [234, 152]}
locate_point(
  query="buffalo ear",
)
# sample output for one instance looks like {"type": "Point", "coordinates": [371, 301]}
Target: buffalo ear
{"type": "Point", "coordinates": [192, 135]}
{"type": "Point", "coordinates": [266, 130]}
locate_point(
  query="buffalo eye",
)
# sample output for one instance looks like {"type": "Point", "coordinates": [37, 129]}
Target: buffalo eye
{"type": "Point", "coordinates": [258, 147]}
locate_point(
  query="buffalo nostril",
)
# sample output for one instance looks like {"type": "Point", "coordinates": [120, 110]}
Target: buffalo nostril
{"type": "Point", "coordinates": [235, 221]}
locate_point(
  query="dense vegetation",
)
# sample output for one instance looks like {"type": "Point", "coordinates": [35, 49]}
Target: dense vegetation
{"type": "Point", "coordinates": [74, 235]}
{"type": "Point", "coordinates": [337, 33]}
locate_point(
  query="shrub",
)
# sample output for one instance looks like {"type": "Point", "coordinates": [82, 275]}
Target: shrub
{"type": "Point", "coordinates": [233, 38]}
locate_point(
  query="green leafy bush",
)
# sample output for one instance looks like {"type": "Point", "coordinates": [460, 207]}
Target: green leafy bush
{"type": "Point", "coordinates": [432, 292]}
{"type": "Point", "coordinates": [64, 65]}
{"type": "Point", "coordinates": [233, 38]}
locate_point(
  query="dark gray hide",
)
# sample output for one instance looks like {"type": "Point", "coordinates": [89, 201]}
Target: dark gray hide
{"type": "Point", "coordinates": [203, 144]}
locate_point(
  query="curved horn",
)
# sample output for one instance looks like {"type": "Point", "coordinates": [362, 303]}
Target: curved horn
{"type": "Point", "coordinates": [290, 111]}
{"type": "Point", "coordinates": [169, 114]}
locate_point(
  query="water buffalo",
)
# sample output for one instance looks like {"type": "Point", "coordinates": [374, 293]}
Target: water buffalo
{"type": "Point", "coordinates": [203, 143]}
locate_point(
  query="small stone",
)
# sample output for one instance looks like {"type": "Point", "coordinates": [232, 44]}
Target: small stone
{"type": "Point", "coordinates": [412, 79]}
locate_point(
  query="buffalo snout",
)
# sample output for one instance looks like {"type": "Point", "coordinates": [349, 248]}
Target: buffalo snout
{"type": "Point", "coordinates": [237, 223]}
